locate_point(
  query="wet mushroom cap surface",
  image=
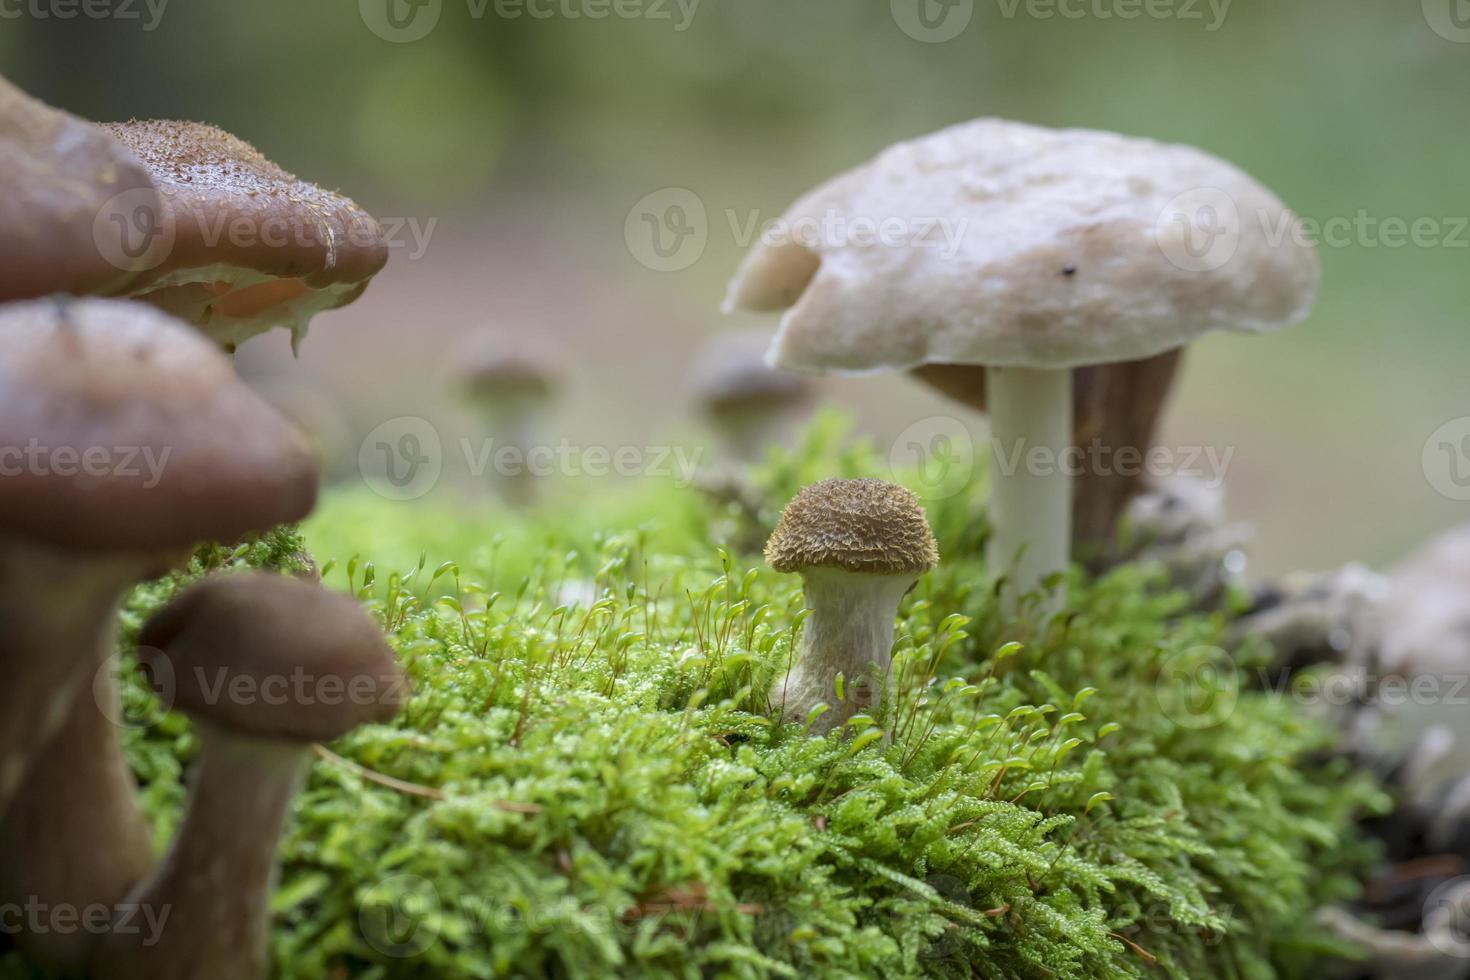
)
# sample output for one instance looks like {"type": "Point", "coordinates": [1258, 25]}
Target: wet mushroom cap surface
{"type": "Point", "coordinates": [252, 245]}
{"type": "Point", "coordinates": [1026, 247]}
{"type": "Point", "coordinates": [272, 656]}
{"type": "Point", "coordinates": [122, 428]}
{"type": "Point", "coordinates": [855, 525]}
{"type": "Point", "coordinates": [58, 176]}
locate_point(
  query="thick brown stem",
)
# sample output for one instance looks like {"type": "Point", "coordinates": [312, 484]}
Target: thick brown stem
{"type": "Point", "coordinates": [75, 842]}
{"type": "Point", "coordinates": [1114, 406]}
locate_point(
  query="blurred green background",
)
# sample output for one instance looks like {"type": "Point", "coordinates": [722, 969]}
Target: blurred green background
{"type": "Point", "coordinates": [511, 140]}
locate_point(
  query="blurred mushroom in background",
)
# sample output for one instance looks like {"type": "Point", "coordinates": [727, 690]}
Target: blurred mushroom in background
{"type": "Point", "coordinates": [511, 381]}
{"type": "Point", "coordinates": [1390, 656]}
{"type": "Point", "coordinates": [128, 439]}
{"type": "Point", "coordinates": [1179, 523]}
{"type": "Point", "coordinates": [74, 203]}
{"type": "Point", "coordinates": [748, 402]}
{"type": "Point", "coordinates": [1029, 252]}
{"type": "Point", "coordinates": [245, 246]}
{"type": "Point", "coordinates": [309, 666]}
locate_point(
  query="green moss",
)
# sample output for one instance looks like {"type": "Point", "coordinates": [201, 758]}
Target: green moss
{"type": "Point", "coordinates": [603, 793]}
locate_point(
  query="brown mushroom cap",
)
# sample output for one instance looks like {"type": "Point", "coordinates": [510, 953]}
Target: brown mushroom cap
{"type": "Point", "coordinates": [732, 375]}
{"type": "Point", "coordinates": [123, 429]}
{"type": "Point", "coordinates": [58, 175]}
{"type": "Point", "coordinates": [273, 656]}
{"type": "Point", "coordinates": [253, 246]}
{"type": "Point", "coordinates": [501, 366]}
{"type": "Point", "coordinates": [857, 525]}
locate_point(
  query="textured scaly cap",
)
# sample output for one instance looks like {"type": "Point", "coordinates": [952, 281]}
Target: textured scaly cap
{"type": "Point", "coordinates": [857, 525]}
{"type": "Point", "coordinates": [254, 246]}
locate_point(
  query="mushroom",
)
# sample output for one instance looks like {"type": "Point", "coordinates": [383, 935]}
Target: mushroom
{"type": "Point", "coordinates": [125, 439]}
{"type": "Point", "coordinates": [58, 177]}
{"type": "Point", "coordinates": [1024, 253]}
{"type": "Point", "coordinates": [741, 395]}
{"type": "Point", "coordinates": [1115, 407]}
{"type": "Point", "coordinates": [511, 381]}
{"type": "Point", "coordinates": [264, 666]}
{"type": "Point", "coordinates": [253, 247]}
{"type": "Point", "coordinates": [859, 546]}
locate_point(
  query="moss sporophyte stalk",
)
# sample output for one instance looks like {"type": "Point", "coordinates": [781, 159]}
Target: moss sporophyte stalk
{"type": "Point", "coordinates": [590, 778]}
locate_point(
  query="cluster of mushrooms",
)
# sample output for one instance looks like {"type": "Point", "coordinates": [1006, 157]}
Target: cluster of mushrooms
{"type": "Point", "coordinates": [126, 282]}
{"type": "Point", "coordinates": [129, 441]}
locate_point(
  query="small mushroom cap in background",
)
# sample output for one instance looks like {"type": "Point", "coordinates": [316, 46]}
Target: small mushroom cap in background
{"type": "Point", "coordinates": [272, 656]}
{"type": "Point", "coordinates": [123, 429]}
{"type": "Point", "coordinates": [1025, 247]}
{"type": "Point", "coordinates": [731, 375]}
{"type": "Point", "coordinates": [498, 365]}
{"type": "Point", "coordinates": [253, 246]}
{"type": "Point", "coordinates": [857, 525]}
{"type": "Point", "coordinates": [58, 175]}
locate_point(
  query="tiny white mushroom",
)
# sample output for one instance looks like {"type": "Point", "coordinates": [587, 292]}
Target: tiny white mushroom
{"type": "Point", "coordinates": [1029, 252]}
{"type": "Point", "coordinates": [859, 546]}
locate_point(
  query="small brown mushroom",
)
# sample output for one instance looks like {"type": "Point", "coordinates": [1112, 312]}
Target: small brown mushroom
{"type": "Point", "coordinates": [743, 397]}
{"type": "Point", "coordinates": [264, 666]}
{"type": "Point", "coordinates": [511, 381]}
{"type": "Point", "coordinates": [125, 439]}
{"type": "Point", "coordinates": [859, 546]}
{"type": "Point", "coordinates": [253, 247]}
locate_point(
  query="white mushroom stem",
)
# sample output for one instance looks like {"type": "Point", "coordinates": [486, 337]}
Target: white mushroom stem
{"type": "Point", "coordinates": [514, 423]}
{"type": "Point", "coordinates": [849, 632]}
{"type": "Point", "coordinates": [1031, 490]}
{"type": "Point", "coordinates": [214, 884]}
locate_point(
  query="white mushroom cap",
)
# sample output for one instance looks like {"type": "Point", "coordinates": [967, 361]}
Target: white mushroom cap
{"type": "Point", "coordinates": [1009, 245]}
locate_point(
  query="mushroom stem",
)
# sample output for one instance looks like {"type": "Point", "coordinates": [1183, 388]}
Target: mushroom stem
{"type": "Point", "coordinates": [58, 609]}
{"type": "Point", "coordinates": [517, 425]}
{"type": "Point", "coordinates": [849, 632]}
{"type": "Point", "coordinates": [215, 882]}
{"type": "Point", "coordinates": [75, 839]}
{"type": "Point", "coordinates": [1031, 490]}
